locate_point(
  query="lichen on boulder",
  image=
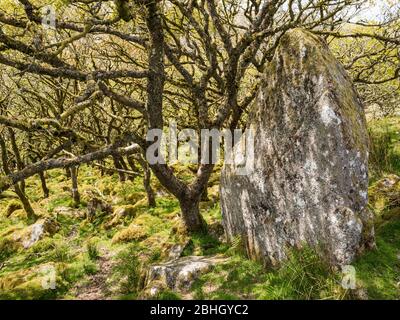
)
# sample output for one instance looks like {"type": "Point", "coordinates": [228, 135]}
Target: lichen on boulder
{"type": "Point", "coordinates": [310, 178]}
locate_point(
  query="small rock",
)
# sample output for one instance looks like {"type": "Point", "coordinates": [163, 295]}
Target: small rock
{"type": "Point", "coordinates": [37, 231]}
{"type": "Point", "coordinates": [180, 274]}
{"type": "Point", "coordinates": [360, 294]}
{"type": "Point", "coordinates": [97, 206]}
{"type": "Point", "coordinates": [175, 252]}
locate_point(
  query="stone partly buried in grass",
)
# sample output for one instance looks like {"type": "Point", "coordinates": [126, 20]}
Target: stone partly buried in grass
{"type": "Point", "coordinates": [310, 178]}
{"type": "Point", "coordinates": [140, 228]}
{"type": "Point", "coordinates": [178, 274]}
{"type": "Point", "coordinates": [28, 236]}
{"type": "Point", "coordinates": [123, 211]}
{"type": "Point", "coordinates": [37, 282]}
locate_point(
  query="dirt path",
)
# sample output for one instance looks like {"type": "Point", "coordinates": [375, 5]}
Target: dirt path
{"type": "Point", "coordinates": [96, 287]}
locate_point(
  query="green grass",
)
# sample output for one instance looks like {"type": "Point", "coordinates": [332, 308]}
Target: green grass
{"type": "Point", "coordinates": [384, 154]}
{"type": "Point", "coordinates": [379, 270]}
{"type": "Point", "coordinates": [303, 276]}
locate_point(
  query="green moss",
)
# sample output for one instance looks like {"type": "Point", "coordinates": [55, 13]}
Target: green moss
{"type": "Point", "coordinates": [12, 206]}
{"type": "Point", "coordinates": [167, 295]}
{"type": "Point", "coordinates": [141, 227]}
{"type": "Point", "coordinates": [7, 248]}
{"type": "Point", "coordinates": [384, 155]}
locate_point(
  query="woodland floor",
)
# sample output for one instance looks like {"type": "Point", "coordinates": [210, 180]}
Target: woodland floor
{"type": "Point", "coordinates": [95, 262]}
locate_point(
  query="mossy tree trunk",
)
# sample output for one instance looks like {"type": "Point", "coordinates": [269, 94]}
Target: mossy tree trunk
{"type": "Point", "coordinates": [17, 155]}
{"type": "Point", "coordinates": [75, 192]}
{"type": "Point", "coordinates": [151, 197]}
{"type": "Point", "coordinates": [17, 188]}
{"type": "Point", "coordinates": [30, 213]}
{"type": "Point", "coordinates": [46, 190]}
{"type": "Point", "coordinates": [191, 216]}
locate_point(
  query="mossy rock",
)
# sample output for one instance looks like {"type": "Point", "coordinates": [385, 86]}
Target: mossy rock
{"type": "Point", "coordinates": [179, 229]}
{"type": "Point", "coordinates": [141, 227]}
{"type": "Point", "coordinates": [132, 233]}
{"type": "Point", "coordinates": [384, 197]}
{"type": "Point", "coordinates": [123, 211]}
{"type": "Point", "coordinates": [32, 283]}
{"type": "Point", "coordinates": [391, 214]}
{"type": "Point", "coordinates": [12, 206]}
{"type": "Point", "coordinates": [8, 247]}
{"type": "Point", "coordinates": [30, 235]}
{"type": "Point", "coordinates": [136, 197]}
{"type": "Point", "coordinates": [19, 214]}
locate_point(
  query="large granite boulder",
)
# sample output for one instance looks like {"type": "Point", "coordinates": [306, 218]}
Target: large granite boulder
{"type": "Point", "coordinates": [310, 178]}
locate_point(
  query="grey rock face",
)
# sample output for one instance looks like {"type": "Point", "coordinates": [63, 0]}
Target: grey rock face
{"type": "Point", "coordinates": [310, 177]}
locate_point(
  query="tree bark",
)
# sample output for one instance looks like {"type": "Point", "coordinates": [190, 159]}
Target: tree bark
{"type": "Point", "coordinates": [30, 213]}
{"type": "Point", "coordinates": [75, 192]}
{"type": "Point", "coordinates": [191, 216]}
{"type": "Point", "coordinates": [118, 166]}
{"type": "Point", "coordinates": [17, 188]}
{"type": "Point", "coordinates": [46, 190]}
{"type": "Point", "coordinates": [151, 198]}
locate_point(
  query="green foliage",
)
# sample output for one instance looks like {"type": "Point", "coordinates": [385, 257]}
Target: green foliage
{"type": "Point", "coordinates": [90, 267]}
{"type": "Point", "coordinates": [378, 270]}
{"type": "Point", "coordinates": [303, 276]}
{"type": "Point", "coordinates": [128, 268]}
{"type": "Point", "coordinates": [65, 201]}
{"type": "Point", "coordinates": [167, 295]}
{"type": "Point", "coordinates": [61, 253]}
{"type": "Point", "coordinates": [204, 244]}
{"type": "Point", "coordinates": [384, 155]}
{"type": "Point", "coordinates": [92, 250]}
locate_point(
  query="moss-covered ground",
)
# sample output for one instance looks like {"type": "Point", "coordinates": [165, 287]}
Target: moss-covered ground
{"type": "Point", "coordinates": [106, 258]}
